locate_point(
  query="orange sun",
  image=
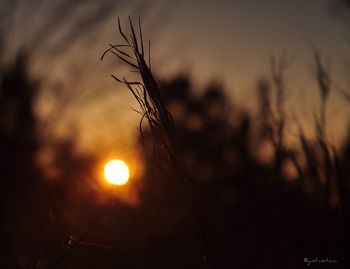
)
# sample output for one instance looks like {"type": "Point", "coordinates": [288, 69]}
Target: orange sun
{"type": "Point", "coordinates": [116, 172]}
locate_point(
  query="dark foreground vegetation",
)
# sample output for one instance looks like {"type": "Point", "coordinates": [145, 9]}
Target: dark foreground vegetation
{"type": "Point", "coordinates": [206, 200]}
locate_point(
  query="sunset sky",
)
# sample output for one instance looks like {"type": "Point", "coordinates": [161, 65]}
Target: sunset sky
{"type": "Point", "coordinates": [227, 41]}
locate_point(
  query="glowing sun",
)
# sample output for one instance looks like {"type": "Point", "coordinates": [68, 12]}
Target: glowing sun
{"type": "Point", "coordinates": [116, 172]}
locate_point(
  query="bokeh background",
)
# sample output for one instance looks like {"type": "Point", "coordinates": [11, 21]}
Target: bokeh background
{"type": "Point", "coordinates": [258, 91]}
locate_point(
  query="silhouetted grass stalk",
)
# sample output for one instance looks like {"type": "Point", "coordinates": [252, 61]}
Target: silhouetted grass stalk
{"type": "Point", "coordinates": [147, 94]}
{"type": "Point", "coordinates": [322, 76]}
{"type": "Point", "coordinates": [278, 70]}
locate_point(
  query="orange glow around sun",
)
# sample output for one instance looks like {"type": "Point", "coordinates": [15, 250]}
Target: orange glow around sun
{"type": "Point", "coordinates": [116, 172]}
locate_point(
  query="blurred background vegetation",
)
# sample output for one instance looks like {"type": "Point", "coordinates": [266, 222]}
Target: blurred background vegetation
{"type": "Point", "coordinates": [269, 187]}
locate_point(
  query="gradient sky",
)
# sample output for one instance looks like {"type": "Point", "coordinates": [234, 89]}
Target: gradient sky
{"type": "Point", "coordinates": [232, 40]}
{"type": "Point", "coordinates": [229, 41]}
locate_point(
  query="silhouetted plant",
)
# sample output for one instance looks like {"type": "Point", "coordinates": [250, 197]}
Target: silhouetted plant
{"type": "Point", "coordinates": [273, 116]}
{"type": "Point", "coordinates": [148, 95]}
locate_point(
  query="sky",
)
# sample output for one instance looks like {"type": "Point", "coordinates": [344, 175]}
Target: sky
{"type": "Point", "coordinates": [232, 41]}
{"type": "Point", "coordinates": [226, 41]}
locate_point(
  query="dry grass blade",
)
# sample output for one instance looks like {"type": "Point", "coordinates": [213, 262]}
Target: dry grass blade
{"type": "Point", "coordinates": [147, 94]}
{"type": "Point", "coordinates": [322, 74]}
{"type": "Point", "coordinates": [141, 39]}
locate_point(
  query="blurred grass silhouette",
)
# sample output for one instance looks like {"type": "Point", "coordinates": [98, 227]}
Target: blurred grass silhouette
{"type": "Point", "coordinates": [206, 199]}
